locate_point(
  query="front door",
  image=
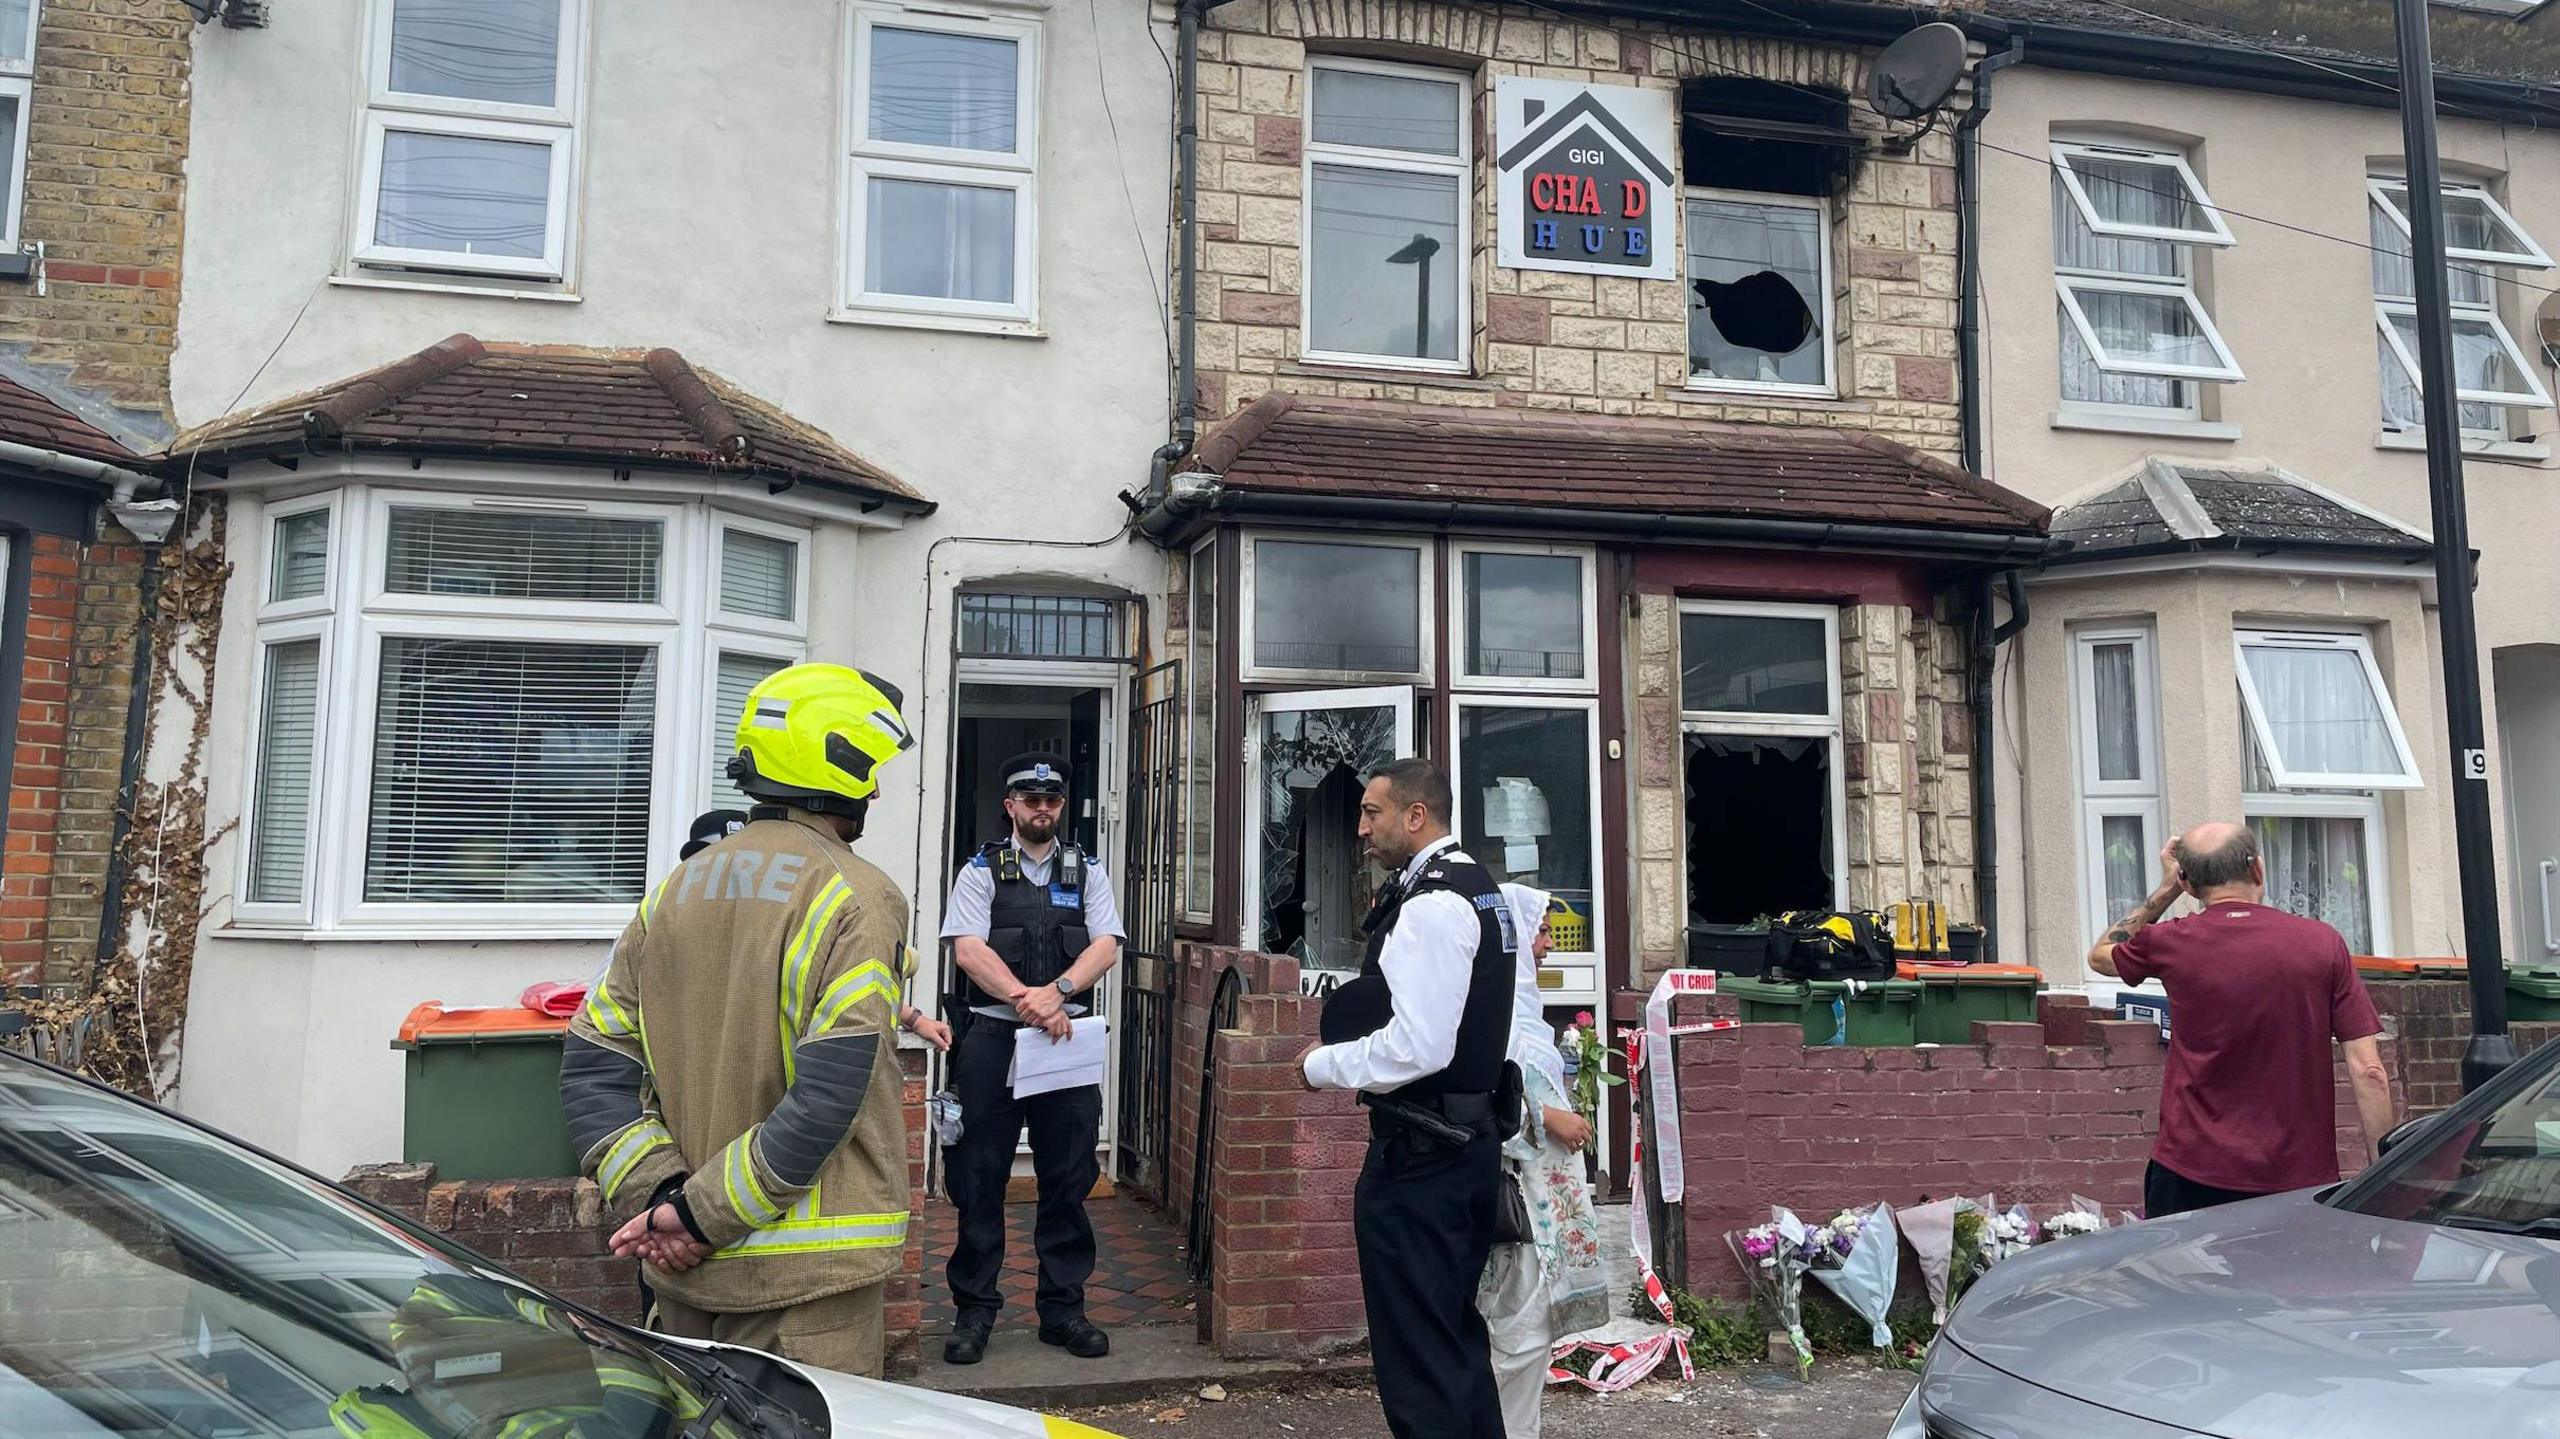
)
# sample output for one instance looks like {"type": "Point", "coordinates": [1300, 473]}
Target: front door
{"type": "Point", "coordinates": [2528, 692]}
{"type": "Point", "coordinates": [1308, 885]}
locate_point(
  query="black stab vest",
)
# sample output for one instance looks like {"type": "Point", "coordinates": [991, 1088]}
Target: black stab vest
{"type": "Point", "coordinates": [1036, 929]}
{"type": "Point", "coordinates": [1362, 1006]}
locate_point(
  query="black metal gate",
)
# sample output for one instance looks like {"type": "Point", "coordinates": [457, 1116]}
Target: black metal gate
{"type": "Point", "coordinates": [1146, 909]}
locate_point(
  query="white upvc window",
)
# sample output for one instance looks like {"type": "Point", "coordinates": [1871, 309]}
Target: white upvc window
{"type": "Point", "coordinates": [2123, 815]}
{"type": "Point", "coordinates": [17, 74]}
{"type": "Point", "coordinates": [2319, 712]}
{"type": "Point", "coordinates": [1760, 692]}
{"type": "Point", "coordinates": [2135, 335]}
{"type": "Point", "coordinates": [1743, 334]}
{"type": "Point", "coordinates": [1200, 737]}
{"type": "Point", "coordinates": [485, 715]}
{"type": "Point", "coordinates": [2492, 374]}
{"type": "Point", "coordinates": [1527, 617]}
{"type": "Point", "coordinates": [1388, 159]}
{"type": "Point", "coordinates": [942, 144]}
{"type": "Point", "coordinates": [469, 154]}
{"type": "Point", "coordinates": [1334, 608]}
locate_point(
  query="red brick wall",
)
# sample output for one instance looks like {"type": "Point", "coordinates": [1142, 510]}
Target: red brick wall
{"type": "Point", "coordinates": [35, 772]}
{"type": "Point", "coordinates": [2432, 1019]}
{"type": "Point", "coordinates": [83, 605]}
{"type": "Point", "coordinates": [2031, 1113]}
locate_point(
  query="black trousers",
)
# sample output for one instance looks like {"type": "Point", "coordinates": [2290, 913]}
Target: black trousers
{"type": "Point", "coordinates": [1066, 1124]}
{"type": "Point", "coordinates": [2166, 1192]}
{"type": "Point", "coordinates": [1422, 1215]}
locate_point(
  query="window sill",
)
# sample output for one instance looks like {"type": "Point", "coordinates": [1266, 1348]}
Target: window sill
{"type": "Point", "coordinates": [2172, 426]}
{"type": "Point", "coordinates": [2512, 452]}
{"type": "Point", "coordinates": [1337, 368]}
{"type": "Point", "coordinates": [1792, 399]}
{"type": "Point", "coordinates": [531, 934]}
{"type": "Point", "coordinates": [456, 287]}
{"type": "Point", "coordinates": [952, 324]}
{"type": "Point", "coordinates": [21, 265]}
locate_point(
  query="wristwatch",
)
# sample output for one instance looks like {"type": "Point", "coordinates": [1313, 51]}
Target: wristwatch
{"type": "Point", "coordinates": [1067, 986]}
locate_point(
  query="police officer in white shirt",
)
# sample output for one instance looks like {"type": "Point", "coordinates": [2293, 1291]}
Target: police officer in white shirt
{"type": "Point", "coordinates": [1423, 1034]}
{"type": "Point", "coordinates": [1034, 928]}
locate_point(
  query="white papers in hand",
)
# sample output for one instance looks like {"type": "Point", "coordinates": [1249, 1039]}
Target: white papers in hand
{"type": "Point", "coordinates": [1041, 1064]}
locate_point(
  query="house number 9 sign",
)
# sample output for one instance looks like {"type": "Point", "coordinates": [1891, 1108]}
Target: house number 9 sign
{"type": "Point", "coordinates": [1584, 178]}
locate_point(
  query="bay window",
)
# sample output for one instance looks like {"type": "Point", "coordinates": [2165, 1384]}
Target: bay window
{"type": "Point", "coordinates": [470, 137]}
{"type": "Point", "coordinates": [17, 74]}
{"type": "Point", "coordinates": [498, 714]}
{"type": "Point", "coordinates": [2134, 332]}
{"type": "Point", "coordinates": [1345, 608]}
{"type": "Point", "coordinates": [2322, 742]}
{"type": "Point", "coordinates": [1760, 715]}
{"type": "Point", "coordinates": [2491, 374]}
{"type": "Point", "coordinates": [1387, 169]}
{"type": "Point", "coordinates": [1200, 737]}
{"type": "Point", "coordinates": [942, 142]}
{"type": "Point", "coordinates": [1525, 719]}
{"type": "Point", "coordinates": [2123, 817]}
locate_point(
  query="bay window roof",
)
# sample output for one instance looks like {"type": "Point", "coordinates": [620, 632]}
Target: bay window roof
{"type": "Point", "coordinates": [552, 404]}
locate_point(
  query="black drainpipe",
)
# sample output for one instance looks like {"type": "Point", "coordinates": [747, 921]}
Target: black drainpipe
{"type": "Point", "coordinates": [1186, 305]}
{"type": "Point", "coordinates": [137, 724]}
{"type": "Point", "coordinates": [1987, 636]}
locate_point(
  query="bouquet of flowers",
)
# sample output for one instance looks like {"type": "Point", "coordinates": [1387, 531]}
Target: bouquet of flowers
{"type": "Point", "coordinates": [2083, 1217]}
{"type": "Point", "coordinates": [2008, 1232]}
{"type": "Point", "coordinates": [1947, 1235]}
{"type": "Point", "coordinates": [1586, 1065]}
{"type": "Point", "coordinates": [1858, 1255]}
{"type": "Point", "coordinates": [1776, 1256]}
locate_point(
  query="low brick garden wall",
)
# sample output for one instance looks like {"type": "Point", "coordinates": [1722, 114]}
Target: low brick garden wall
{"type": "Point", "coordinates": [552, 1231]}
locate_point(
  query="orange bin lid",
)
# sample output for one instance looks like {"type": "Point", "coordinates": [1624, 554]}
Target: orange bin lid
{"type": "Point", "coordinates": [434, 1023]}
{"type": "Point", "coordinates": [1916, 969]}
{"type": "Point", "coordinates": [2376, 964]}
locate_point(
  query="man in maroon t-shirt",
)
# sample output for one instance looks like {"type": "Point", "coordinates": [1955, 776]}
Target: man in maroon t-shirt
{"type": "Point", "coordinates": [2248, 1105]}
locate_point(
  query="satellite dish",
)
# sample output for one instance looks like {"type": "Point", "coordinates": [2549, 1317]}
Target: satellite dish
{"type": "Point", "coordinates": [1916, 74]}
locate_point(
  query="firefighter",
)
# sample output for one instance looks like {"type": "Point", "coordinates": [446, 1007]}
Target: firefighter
{"type": "Point", "coordinates": [731, 1084]}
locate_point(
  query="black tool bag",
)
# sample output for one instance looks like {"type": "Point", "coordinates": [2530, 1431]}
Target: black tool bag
{"type": "Point", "coordinates": [1830, 944]}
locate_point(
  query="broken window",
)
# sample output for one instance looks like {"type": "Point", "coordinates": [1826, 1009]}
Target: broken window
{"type": "Point", "coordinates": [1759, 272]}
{"type": "Point", "coordinates": [1760, 826]}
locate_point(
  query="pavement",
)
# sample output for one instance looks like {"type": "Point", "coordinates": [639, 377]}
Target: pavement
{"type": "Point", "coordinates": [1145, 1363]}
{"type": "Point", "coordinates": [1847, 1400]}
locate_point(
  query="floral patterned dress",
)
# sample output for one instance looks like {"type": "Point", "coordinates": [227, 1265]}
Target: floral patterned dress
{"type": "Point", "coordinates": [1561, 1223]}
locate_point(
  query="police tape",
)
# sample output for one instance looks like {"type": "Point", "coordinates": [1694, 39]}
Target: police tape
{"type": "Point", "coordinates": [1622, 1365]}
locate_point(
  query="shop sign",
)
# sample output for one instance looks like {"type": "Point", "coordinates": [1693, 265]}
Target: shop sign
{"type": "Point", "coordinates": [1583, 178]}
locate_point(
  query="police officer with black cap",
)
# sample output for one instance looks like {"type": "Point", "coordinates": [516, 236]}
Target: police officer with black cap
{"type": "Point", "coordinates": [1034, 928]}
{"type": "Point", "coordinates": [1423, 1034]}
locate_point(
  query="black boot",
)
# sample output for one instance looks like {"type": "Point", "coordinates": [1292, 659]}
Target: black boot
{"type": "Point", "coordinates": [968, 1341]}
{"type": "Point", "coordinates": [1077, 1336]}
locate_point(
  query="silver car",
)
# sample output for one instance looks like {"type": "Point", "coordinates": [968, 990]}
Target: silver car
{"type": "Point", "coordinates": [158, 1279]}
{"type": "Point", "coordinates": [2421, 1297]}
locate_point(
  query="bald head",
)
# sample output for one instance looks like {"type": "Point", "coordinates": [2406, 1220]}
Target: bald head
{"type": "Point", "coordinates": [2220, 857]}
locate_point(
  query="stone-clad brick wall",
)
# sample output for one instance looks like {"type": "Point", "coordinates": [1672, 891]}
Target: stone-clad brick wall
{"type": "Point", "coordinates": [1545, 340]}
{"type": "Point", "coordinates": [105, 183]}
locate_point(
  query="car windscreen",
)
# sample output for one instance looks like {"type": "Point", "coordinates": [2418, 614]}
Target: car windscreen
{"type": "Point", "coordinates": [2492, 1166]}
{"type": "Point", "coordinates": [158, 1280]}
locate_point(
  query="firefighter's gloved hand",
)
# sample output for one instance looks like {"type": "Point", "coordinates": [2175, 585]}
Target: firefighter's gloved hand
{"type": "Point", "coordinates": [658, 1235]}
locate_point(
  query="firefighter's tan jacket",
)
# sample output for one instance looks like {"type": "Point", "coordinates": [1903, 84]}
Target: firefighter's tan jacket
{"type": "Point", "coordinates": [744, 1034]}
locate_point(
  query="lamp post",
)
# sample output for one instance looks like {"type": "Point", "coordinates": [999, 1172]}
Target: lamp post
{"type": "Point", "coordinates": [2490, 1050]}
{"type": "Point", "coordinates": [1417, 252]}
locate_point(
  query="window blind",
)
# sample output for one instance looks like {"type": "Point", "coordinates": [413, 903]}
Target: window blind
{"type": "Point", "coordinates": [511, 773]}
{"type": "Point", "coordinates": [286, 734]}
{"type": "Point", "coordinates": [737, 675]}
{"type": "Point", "coordinates": [759, 575]}
{"type": "Point", "coordinates": [523, 557]}
{"type": "Point", "coordinates": [302, 556]}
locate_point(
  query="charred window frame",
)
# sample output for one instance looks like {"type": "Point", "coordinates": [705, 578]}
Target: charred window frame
{"type": "Point", "coordinates": [1761, 162]}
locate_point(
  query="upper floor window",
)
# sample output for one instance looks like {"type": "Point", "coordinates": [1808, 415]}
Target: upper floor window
{"type": "Point", "coordinates": [2491, 373]}
{"type": "Point", "coordinates": [1759, 272]}
{"type": "Point", "coordinates": [942, 142]}
{"type": "Point", "coordinates": [2126, 224]}
{"type": "Point", "coordinates": [17, 70]}
{"type": "Point", "coordinates": [476, 712]}
{"type": "Point", "coordinates": [1387, 158]}
{"type": "Point", "coordinates": [471, 137]}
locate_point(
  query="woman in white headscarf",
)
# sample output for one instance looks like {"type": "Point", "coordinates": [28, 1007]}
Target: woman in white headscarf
{"type": "Point", "coordinates": [1553, 1285]}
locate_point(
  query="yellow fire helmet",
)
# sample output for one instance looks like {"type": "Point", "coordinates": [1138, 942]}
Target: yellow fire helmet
{"type": "Point", "coordinates": [816, 735]}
